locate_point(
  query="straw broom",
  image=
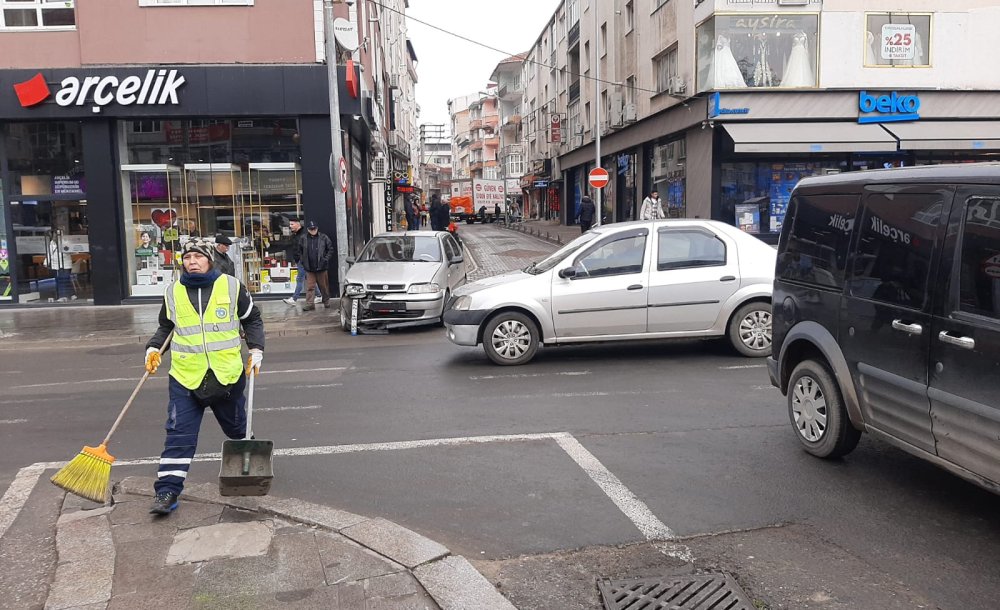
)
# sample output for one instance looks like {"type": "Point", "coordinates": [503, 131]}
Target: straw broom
{"type": "Point", "coordinates": [88, 474]}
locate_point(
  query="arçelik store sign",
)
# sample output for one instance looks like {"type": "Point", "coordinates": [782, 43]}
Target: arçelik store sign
{"type": "Point", "coordinates": [158, 87]}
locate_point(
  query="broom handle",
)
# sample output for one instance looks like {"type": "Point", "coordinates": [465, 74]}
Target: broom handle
{"type": "Point", "coordinates": [135, 393]}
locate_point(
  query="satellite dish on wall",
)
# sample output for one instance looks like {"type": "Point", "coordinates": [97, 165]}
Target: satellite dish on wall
{"type": "Point", "coordinates": [346, 33]}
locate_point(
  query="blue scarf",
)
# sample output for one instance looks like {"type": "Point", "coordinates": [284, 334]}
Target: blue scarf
{"type": "Point", "coordinates": [200, 280]}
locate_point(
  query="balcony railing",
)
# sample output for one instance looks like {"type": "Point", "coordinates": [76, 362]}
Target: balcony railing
{"type": "Point", "coordinates": [511, 119]}
{"type": "Point", "coordinates": [574, 91]}
{"type": "Point", "coordinates": [476, 124]}
{"type": "Point", "coordinates": [398, 142]}
{"type": "Point", "coordinates": [490, 122]}
{"type": "Point", "coordinates": [474, 167]}
{"type": "Point", "coordinates": [476, 145]}
{"type": "Point", "coordinates": [573, 36]}
{"type": "Point", "coordinates": [512, 149]}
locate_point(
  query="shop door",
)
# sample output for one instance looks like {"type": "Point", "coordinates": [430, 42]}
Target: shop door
{"type": "Point", "coordinates": [53, 251]}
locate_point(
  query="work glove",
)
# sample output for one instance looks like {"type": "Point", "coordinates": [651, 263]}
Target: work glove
{"type": "Point", "coordinates": [254, 360]}
{"type": "Point", "coordinates": [152, 360]}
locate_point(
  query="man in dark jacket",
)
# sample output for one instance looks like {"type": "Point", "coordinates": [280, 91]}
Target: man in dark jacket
{"type": "Point", "coordinates": [294, 257]}
{"type": "Point", "coordinates": [315, 249]}
{"type": "Point", "coordinates": [440, 214]}
{"type": "Point", "coordinates": [221, 261]}
{"type": "Point", "coordinates": [206, 310]}
{"type": "Point", "coordinates": [587, 211]}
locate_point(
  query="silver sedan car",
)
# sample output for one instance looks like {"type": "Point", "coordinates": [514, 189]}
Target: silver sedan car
{"type": "Point", "coordinates": [402, 279]}
{"type": "Point", "coordinates": [626, 281]}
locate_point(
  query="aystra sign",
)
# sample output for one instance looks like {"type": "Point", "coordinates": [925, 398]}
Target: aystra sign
{"type": "Point", "coordinates": [158, 87]}
{"type": "Point", "coordinates": [887, 108]}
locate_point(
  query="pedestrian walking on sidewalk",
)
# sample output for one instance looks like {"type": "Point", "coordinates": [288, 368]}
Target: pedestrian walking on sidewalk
{"type": "Point", "coordinates": [316, 249]}
{"type": "Point", "coordinates": [205, 309]}
{"type": "Point", "coordinates": [440, 214]}
{"type": "Point", "coordinates": [221, 260]}
{"type": "Point", "coordinates": [586, 215]}
{"type": "Point", "coordinates": [411, 222]}
{"type": "Point", "coordinates": [294, 257]}
{"type": "Point", "coordinates": [651, 209]}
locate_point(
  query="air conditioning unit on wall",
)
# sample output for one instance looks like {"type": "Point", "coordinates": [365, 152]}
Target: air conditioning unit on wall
{"type": "Point", "coordinates": [677, 86]}
{"type": "Point", "coordinates": [380, 169]}
{"type": "Point", "coordinates": [630, 115]}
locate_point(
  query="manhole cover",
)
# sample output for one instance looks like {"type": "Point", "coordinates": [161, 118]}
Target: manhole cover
{"type": "Point", "coordinates": [704, 592]}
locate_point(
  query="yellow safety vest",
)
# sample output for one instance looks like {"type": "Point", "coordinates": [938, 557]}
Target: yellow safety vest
{"type": "Point", "coordinates": [206, 340]}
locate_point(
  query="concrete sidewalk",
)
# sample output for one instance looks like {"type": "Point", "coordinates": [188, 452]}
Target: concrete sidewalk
{"type": "Point", "coordinates": [68, 325]}
{"type": "Point", "coordinates": [242, 553]}
{"type": "Point", "coordinates": [549, 230]}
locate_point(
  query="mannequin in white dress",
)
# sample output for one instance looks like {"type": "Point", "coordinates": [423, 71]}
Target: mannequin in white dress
{"type": "Point", "coordinates": [725, 72]}
{"type": "Point", "coordinates": [798, 70]}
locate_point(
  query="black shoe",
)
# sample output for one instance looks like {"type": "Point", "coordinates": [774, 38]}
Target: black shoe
{"type": "Point", "coordinates": [308, 308]}
{"type": "Point", "coordinates": [164, 503]}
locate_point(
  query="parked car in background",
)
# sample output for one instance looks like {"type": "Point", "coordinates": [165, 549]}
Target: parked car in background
{"type": "Point", "coordinates": [887, 315]}
{"type": "Point", "coordinates": [402, 279]}
{"type": "Point", "coordinates": [626, 281]}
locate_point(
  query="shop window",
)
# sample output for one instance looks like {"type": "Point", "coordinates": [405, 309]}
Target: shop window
{"type": "Point", "coordinates": [892, 260]}
{"type": "Point", "coordinates": [767, 186]}
{"type": "Point", "coordinates": [763, 50]}
{"type": "Point", "coordinates": [669, 177]}
{"type": "Point", "coordinates": [45, 159]}
{"type": "Point", "coordinates": [665, 67]}
{"type": "Point", "coordinates": [897, 39]}
{"type": "Point", "coordinates": [979, 284]}
{"type": "Point", "coordinates": [196, 2]}
{"type": "Point", "coordinates": [239, 178]}
{"type": "Point", "coordinates": [6, 292]}
{"type": "Point", "coordinates": [37, 14]}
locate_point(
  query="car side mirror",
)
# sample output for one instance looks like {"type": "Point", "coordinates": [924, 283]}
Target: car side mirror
{"type": "Point", "coordinates": [458, 258]}
{"type": "Point", "coordinates": [569, 273]}
{"type": "Point", "coordinates": [350, 260]}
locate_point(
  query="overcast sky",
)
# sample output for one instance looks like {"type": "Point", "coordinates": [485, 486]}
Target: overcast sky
{"type": "Point", "coordinates": [450, 67]}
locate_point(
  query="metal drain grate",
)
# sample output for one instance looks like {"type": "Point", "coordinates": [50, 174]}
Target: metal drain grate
{"type": "Point", "coordinates": [704, 592]}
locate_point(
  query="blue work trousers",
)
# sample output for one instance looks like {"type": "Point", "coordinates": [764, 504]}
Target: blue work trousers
{"type": "Point", "coordinates": [300, 280]}
{"type": "Point", "coordinates": [184, 415]}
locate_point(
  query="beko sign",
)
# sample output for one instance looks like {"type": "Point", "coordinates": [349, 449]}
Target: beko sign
{"type": "Point", "coordinates": [157, 88]}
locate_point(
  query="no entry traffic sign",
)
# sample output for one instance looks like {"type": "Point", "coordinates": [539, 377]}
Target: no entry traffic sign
{"type": "Point", "coordinates": [598, 178]}
{"type": "Point", "coordinates": [343, 175]}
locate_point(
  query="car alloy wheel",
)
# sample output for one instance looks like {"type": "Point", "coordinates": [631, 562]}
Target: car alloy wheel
{"type": "Point", "coordinates": [755, 330]}
{"type": "Point", "coordinates": [809, 409]}
{"type": "Point", "coordinates": [511, 339]}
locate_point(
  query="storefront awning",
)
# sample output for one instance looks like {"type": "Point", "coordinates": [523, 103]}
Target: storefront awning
{"type": "Point", "coordinates": [947, 135]}
{"type": "Point", "coordinates": [809, 137]}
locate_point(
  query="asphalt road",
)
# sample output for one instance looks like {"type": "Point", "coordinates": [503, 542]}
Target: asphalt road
{"type": "Point", "coordinates": [695, 432]}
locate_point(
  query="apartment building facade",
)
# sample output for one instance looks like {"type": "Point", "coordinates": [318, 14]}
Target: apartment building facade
{"type": "Point", "coordinates": [723, 105]}
{"type": "Point", "coordinates": [128, 127]}
{"type": "Point", "coordinates": [509, 92]}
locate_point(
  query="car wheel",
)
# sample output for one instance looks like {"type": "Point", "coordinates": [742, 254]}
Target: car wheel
{"type": "Point", "coordinates": [750, 330]}
{"type": "Point", "coordinates": [510, 339]}
{"type": "Point", "coordinates": [816, 409]}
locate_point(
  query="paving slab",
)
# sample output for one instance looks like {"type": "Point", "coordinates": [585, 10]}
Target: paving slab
{"type": "Point", "coordinates": [86, 563]}
{"type": "Point", "coordinates": [395, 542]}
{"type": "Point", "coordinates": [221, 541]}
{"type": "Point", "coordinates": [455, 584]}
{"type": "Point", "coordinates": [346, 561]}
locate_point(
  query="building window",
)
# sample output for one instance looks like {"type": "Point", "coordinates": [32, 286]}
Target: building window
{"type": "Point", "coordinates": [604, 39]}
{"type": "Point", "coordinates": [665, 67]}
{"type": "Point", "coordinates": [754, 51]}
{"type": "Point", "coordinates": [897, 39]}
{"type": "Point", "coordinates": [629, 17]}
{"type": "Point", "coordinates": [490, 173]}
{"type": "Point", "coordinates": [37, 14]}
{"type": "Point", "coordinates": [630, 91]}
{"type": "Point", "coordinates": [146, 126]}
{"type": "Point", "coordinates": [196, 2]}
{"type": "Point", "coordinates": [658, 3]}
{"type": "Point", "coordinates": [515, 165]}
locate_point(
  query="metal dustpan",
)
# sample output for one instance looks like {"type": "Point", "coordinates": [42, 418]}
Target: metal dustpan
{"type": "Point", "coordinates": [247, 469]}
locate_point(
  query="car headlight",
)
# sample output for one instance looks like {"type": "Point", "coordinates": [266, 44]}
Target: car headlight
{"type": "Point", "coordinates": [462, 303]}
{"type": "Point", "coordinates": [424, 288]}
{"type": "Point", "coordinates": [354, 290]}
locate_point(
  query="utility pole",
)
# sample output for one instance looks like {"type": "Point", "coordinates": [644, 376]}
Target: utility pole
{"type": "Point", "coordinates": [337, 149]}
{"type": "Point", "coordinates": [597, 106]}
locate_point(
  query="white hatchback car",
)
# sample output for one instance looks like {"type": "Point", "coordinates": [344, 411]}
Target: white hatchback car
{"type": "Point", "coordinates": [626, 281]}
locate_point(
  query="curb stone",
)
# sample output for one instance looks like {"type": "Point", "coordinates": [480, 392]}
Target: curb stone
{"type": "Point", "coordinates": [450, 580]}
{"type": "Point", "coordinates": [91, 342]}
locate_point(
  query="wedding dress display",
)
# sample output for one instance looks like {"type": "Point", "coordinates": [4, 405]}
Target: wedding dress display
{"type": "Point", "coordinates": [798, 70]}
{"type": "Point", "coordinates": [873, 55]}
{"type": "Point", "coordinates": [763, 76]}
{"type": "Point", "coordinates": [725, 73]}
{"type": "Point", "coordinates": [918, 53]}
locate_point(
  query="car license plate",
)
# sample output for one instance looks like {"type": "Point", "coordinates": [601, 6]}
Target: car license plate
{"type": "Point", "coordinates": [387, 306]}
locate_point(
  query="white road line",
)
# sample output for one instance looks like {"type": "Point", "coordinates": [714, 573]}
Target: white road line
{"type": "Point", "coordinates": [13, 421]}
{"type": "Point", "coordinates": [524, 375]}
{"type": "Point", "coordinates": [289, 408]}
{"type": "Point", "coordinates": [634, 508]}
{"type": "Point", "coordinates": [743, 366]}
{"type": "Point", "coordinates": [14, 498]}
{"type": "Point", "coordinates": [21, 401]}
{"type": "Point", "coordinates": [135, 379]}
{"type": "Point", "coordinates": [318, 385]}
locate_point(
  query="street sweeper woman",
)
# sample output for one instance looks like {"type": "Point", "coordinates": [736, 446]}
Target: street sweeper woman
{"type": "Point", "coordinates": [205, 310]}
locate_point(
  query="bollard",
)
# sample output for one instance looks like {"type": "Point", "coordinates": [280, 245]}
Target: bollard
{"type": "Point", "coordinates": [546, 235]}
